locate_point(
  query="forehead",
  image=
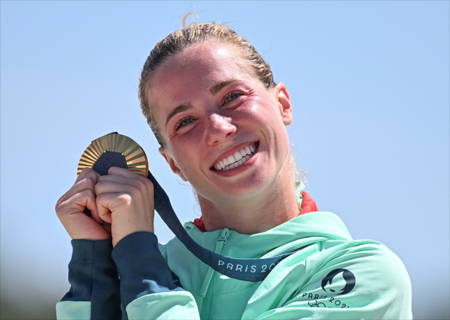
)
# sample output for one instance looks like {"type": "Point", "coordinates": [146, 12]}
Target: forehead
{"type": "Point", "coordinates": [205, 56]}
{"type": "Point", "coordinates": [197, 67]}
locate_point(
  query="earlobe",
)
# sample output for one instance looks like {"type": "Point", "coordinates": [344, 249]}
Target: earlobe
{"type": "Point", "coordinates": [284, 102]}
{"type": "Point", "coordinates": [172, 163]}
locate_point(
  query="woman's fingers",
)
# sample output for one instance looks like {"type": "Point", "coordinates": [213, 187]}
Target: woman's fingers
{"type": "Point", "coordinates": [126, 200]}
{"type": "Point", "coordinates": [120, 203]}
{"type": "Point", "coordinates": [122, 177]}
{"type": "Point", "coordinates": [85, 185]}
{"type": "Point", "coordinates": [80, 195]}
{"type": "Point", "coordinates": [103, 204]}
{"type": "Point", "coordinates": [71, 206]}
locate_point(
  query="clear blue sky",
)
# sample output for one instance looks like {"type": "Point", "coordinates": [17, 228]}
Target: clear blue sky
{"type": "Point", "coordinates": [369, 81]}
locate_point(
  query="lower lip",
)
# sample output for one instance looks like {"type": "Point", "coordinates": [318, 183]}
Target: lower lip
{"type": "Point", "coordinates": [241, 168]}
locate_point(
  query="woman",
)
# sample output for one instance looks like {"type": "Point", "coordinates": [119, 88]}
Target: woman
{"type": "Point", "coordinates": [220, 119]}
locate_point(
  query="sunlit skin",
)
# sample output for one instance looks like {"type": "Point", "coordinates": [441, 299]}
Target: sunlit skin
{"type": "Point", "coordinates": [120, 203]}
{"type": "Point", "coordinates": [208, 105]}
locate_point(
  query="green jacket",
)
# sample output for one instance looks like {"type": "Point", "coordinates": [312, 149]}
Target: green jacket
{"type": "Point", "coordinates": [334, 277]}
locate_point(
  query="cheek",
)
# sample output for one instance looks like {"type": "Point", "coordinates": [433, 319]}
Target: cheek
{"type": "Point", "coordinates": [185, 160]}
{"type": "Point", "coordinates": [260, 115]}
{"type": "Point", "coordinates": [264, 108]}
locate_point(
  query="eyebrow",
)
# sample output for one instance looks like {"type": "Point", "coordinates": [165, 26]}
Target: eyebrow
{"type": "Point", "coordinates": [218, 86]}
{"type": "Point", "coordinates": [178, 109]}
{"type": "Point", "coordinates": [214, 89]}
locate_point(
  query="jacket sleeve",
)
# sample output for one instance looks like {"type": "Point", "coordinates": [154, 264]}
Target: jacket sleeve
{"type": "Point", "coordinates": [94, 292]}
{"type": "Point", "coordinates": [363, 281]}
{"type": "Point", "coordinates": [149, 290]}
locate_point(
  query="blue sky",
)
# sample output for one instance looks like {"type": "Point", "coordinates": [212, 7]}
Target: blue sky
{"type": "Point", "coordinates": [369, 81]}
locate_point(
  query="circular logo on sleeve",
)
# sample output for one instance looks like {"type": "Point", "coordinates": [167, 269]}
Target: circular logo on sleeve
{"type": "Point", "coordinates": [340, 281]}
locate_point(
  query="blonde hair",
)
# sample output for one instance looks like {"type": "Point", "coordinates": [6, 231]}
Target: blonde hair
{"type": "Point", "coordinates": [179, 40]}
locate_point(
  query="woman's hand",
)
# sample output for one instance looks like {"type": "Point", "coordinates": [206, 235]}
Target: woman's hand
{"type": "Point", "coordinates": [125, 200]}
{"type": "Point", "coordinates": [71, 206]}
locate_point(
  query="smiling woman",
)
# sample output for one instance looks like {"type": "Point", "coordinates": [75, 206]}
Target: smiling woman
{"type": "Point", "coordinates": [221, 110]}
{"type": "Point", "coordinates": [220, 119]}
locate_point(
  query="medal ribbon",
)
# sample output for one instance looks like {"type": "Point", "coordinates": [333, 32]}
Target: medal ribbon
{"type": "Point", "coordinates": [243, 269]}
{"type": "Point", "coordinates": [253, 270]}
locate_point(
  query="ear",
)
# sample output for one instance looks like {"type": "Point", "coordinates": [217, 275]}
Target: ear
{"type": "Point", "coordinates": [284, 103]}
{"type": "Point", "coordinates": [172, 163]}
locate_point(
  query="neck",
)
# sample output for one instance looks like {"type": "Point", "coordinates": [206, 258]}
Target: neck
{"type": "Point", "coordinates": [270, 208]}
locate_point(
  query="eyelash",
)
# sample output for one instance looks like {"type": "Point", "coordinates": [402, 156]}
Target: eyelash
{"type": "Point", "coordinates": [181, 123]}
{"type": "Point", "coordinates": [231, 94]}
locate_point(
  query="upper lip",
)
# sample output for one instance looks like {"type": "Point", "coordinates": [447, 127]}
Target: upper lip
{"type": "Point", "coordinates": [232, 151]}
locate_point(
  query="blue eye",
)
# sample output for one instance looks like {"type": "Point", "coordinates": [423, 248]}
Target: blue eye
{"type": "Point", "coordinates": [183, 122]}
{"type": "Point", "coordinates": [231, 96]}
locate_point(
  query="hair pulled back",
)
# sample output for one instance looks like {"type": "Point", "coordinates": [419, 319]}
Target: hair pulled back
{"type": "Point", "coordinates": [179, 40]}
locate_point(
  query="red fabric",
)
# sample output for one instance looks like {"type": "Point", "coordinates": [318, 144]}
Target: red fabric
{"type": "Point", "coordinates": [200, 224]}
{"type": "Point", "coordinates": [308, 205]}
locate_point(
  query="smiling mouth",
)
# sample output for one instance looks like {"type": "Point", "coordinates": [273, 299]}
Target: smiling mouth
{"type": "Point", "coordinates": [237, 159]}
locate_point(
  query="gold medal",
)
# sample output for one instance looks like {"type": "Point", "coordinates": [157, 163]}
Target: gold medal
{"type": "Point", "coordinates": [114, 150]}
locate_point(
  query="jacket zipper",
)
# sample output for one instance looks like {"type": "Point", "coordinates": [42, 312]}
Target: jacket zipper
{"type": "Point", "coordinates": [222, 240]}
{"type": "Point", "coordinates": [209, 283]}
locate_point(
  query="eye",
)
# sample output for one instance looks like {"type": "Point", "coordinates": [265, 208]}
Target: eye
{"type": "Point", "coordinates": [183, 122]}
{"type": "Point", "coordinates": [232, 96]}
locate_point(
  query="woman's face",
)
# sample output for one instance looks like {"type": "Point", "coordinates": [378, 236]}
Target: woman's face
{"type": "Point", "coordinates": [224, 132]}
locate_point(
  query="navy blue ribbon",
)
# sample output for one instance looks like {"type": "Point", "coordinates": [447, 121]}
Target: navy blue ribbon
{"type": "Point", "coordinates": [253, 270]}
{"type": "Point", "coordinates": [243, 269]}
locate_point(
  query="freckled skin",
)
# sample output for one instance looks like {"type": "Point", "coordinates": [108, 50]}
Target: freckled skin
{"type": "Point", "coordinates": [212, 125]}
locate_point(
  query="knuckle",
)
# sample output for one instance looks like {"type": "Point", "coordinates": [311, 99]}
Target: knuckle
{"type": "Point", "coordinates": [146, 184]}
{"type": "Point", "coordinates": [87, 193]}
{"type": "Point", "coordinates": [134, 191]}
{"type": "Point", "coordinates": [87, 183]}
{"type": "Point", "coordinates": [142, 186]}
{"type": "Point", "coordinates": [58, 208]}
{"type": "Point", "coordinates": [61, 204]}
{"type": "Point", "coordinates": [88, 173]}
{"type": "Point", "coordinates": [84, 173]}
{"type": "Point", "coordinates": [139, 184]}
{"type": "Point", "coordinates": [124, 199]}
{"type": "Point", "coordinates": [96, 187]}
{"type": "Point", "coordinates": [61, 207]}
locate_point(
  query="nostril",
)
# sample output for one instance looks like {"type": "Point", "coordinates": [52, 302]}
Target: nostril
{"type": "Point", "coordinates": [220, 128]}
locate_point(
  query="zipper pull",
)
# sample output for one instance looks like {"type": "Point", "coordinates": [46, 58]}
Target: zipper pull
{"type": "Point", "coordinates": [224, 235]}
{"type": "Point", "coordinates": [223, 238]}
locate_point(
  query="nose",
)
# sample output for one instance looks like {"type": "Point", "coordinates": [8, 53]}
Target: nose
{"type": "Point", "coordinates": [219, 129]}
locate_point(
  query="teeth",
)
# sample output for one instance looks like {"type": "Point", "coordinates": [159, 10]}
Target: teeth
{"type": "Point", "coordinates": [231, 159]}
{"type": "Point", "coordinates": [238, 156]}
{"type": "Point", "coordinates": [235, 160]}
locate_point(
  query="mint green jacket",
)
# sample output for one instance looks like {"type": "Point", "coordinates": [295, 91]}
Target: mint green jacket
{"type": "Point", "coordinates": [334, 277]}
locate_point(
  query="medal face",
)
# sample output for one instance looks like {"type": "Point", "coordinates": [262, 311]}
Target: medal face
{"type": "Point", "coordinates": [114, 150]}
